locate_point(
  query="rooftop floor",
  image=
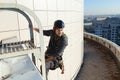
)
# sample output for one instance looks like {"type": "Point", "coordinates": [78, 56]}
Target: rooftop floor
{"type": "Point", "coordinates": [98, 63]}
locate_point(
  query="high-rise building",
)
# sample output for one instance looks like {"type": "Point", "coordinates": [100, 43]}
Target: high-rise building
{"type": "Point", "coordinates": [108, 28]}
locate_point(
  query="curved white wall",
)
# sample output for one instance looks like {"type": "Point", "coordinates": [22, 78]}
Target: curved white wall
{"type": "Point", "coordinates": [109, 44]}
{"type": "Point", "coordinates": [71, 12]}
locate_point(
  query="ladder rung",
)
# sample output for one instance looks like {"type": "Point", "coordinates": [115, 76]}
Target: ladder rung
{"type": "Point", "coordinates": [32, 45]}
{"type": "Point", "coordinates": [20, 53]}
{"type": "Point", "coordinates": [16, 46]}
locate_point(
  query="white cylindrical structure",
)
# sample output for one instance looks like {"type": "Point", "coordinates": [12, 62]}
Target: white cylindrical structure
{"type": "Point", "coordinates": [70, 11]}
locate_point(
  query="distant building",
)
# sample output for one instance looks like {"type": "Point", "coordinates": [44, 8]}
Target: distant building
{"type": "Point", "coordinates": [101, 19]}
{"type": "Point", "coordinates": [106, 27]}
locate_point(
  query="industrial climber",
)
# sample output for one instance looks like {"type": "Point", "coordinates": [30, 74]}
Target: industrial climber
{"type": "Point", "coordinates": [57, 43]}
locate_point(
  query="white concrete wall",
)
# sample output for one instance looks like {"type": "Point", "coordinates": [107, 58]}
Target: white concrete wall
{"type": "Point", "coordinates": [107, 43]}
{"type": "Point", "coordinates": [71, 12]}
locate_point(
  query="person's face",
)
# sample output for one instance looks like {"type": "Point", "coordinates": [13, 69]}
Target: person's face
{"type": "Point", "coordinates": [59, 31]}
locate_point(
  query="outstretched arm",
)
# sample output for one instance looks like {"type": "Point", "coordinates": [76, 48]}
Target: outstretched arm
{"type": "Point", "coordinates": [45, 32]}
{"type": "Point", "coordinates": [62, 67]}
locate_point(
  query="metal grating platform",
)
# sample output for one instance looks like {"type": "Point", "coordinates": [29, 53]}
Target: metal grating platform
{"type": "Point", "coordinates": [16, 48]}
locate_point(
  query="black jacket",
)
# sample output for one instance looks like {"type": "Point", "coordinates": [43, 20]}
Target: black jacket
{"type": "Point", "coordinates": [56, 44]}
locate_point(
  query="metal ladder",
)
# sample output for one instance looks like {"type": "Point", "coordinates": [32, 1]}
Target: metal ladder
{"type": "Point", "coordinates": [20, 48]}
{"type": "Point", "coordinates": [17, 49]}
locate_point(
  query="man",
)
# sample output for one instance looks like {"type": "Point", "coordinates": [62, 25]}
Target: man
{"type": "Point", "coordinates": [57, 44]}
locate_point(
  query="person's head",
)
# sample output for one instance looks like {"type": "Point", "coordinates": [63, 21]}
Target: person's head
{"type": "Point", "coordinates": [58, 27]}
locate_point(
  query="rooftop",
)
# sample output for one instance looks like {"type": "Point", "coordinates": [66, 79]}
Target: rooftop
{"type": "Point", "coordinates": [98, 63]}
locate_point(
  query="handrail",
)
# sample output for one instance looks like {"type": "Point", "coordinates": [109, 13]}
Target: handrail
{"type": "Point", "coordinates": [107, 43]}
{"type": "Point", "coordinates": [26, 16]}
{"type": "Point", "coordinates": [23, 10]}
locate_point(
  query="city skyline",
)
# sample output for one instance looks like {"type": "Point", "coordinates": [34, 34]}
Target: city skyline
{"type": "Point", "coordinates": [101, 7]}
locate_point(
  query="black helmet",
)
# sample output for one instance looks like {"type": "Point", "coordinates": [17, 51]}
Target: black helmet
{"type": "Point", "coordinates": [59, 24]}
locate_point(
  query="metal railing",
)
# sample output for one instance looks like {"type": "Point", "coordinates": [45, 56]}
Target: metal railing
{"type": "Point", "coordinates": [39, 52]}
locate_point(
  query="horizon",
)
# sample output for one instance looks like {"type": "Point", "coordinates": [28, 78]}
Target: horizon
{"type": "Point", "coordinates": [101, 14]}
{"type": "Point", "coordinates": [101, 7]}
